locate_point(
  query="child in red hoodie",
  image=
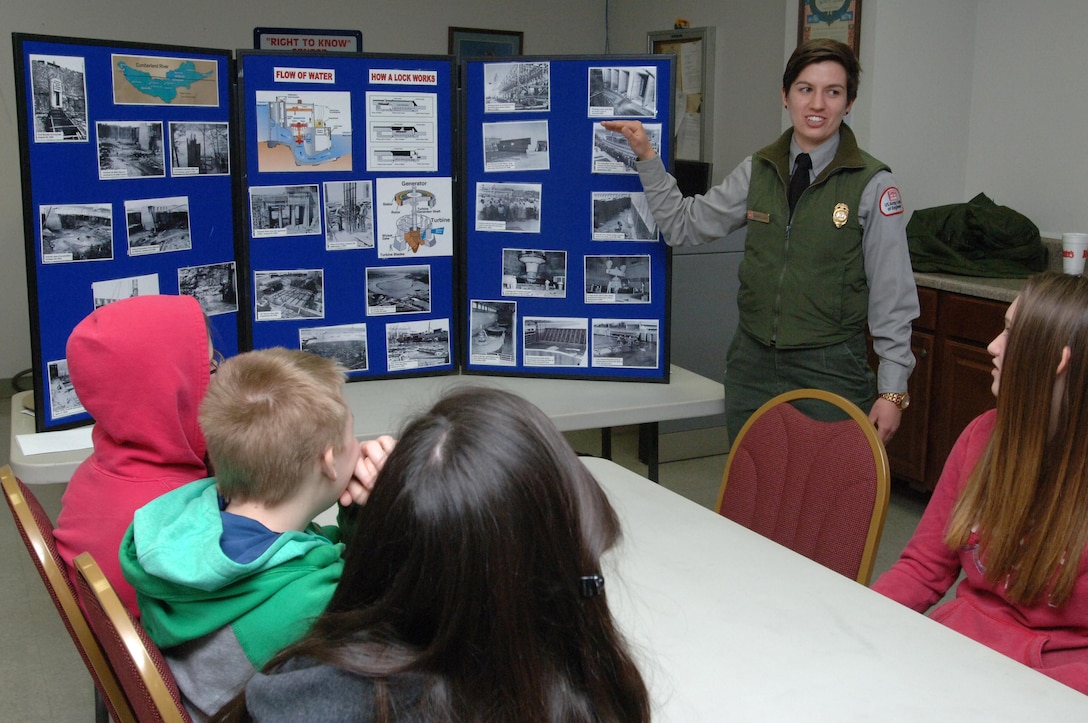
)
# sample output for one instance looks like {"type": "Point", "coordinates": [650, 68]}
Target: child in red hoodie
{"type": "Point", "coordinates": [140, 367]}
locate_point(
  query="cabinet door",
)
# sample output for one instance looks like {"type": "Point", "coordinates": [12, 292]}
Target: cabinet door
{"type": "Point", "coordinates": [962, 393]}
{"type": "Point", "coordinates": [907, 450]}
{"type": "Point", "coordinates": [962, 379]}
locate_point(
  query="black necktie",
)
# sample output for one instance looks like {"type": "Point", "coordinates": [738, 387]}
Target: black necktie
{"type": "Point", "coordinates": [799, 179]}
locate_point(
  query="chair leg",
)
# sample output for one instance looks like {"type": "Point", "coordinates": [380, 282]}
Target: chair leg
{"type": "Point", "coordinates": [101, 714]}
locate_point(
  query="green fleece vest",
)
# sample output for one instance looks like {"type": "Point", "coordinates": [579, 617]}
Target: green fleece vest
{"type": "Point", "coordinates": [802, 283]}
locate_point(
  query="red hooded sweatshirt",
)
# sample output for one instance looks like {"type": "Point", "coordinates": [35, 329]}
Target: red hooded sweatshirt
{"type": "Point", "coordinates": [140, 367]}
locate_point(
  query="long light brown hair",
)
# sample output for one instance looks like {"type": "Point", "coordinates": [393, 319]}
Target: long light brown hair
{"type": "Point", "coordinates": [1027, 498]}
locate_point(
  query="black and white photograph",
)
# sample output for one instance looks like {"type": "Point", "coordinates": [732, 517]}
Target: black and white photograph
{"type": "Point", "coordinates": [555, 341]}
{"type": "Point", "coordinates": [534, 272]}
{"type": "Point", "coordinates": [623, 92]}
{"type": "Point", "coordinates": [215, 286]}
{"type": "Point", "coordinates": [284, 211]}
{"type": "Point", "coordinates": [130, 149]}
{"type": "Point", "coordinates": [158, 225]}
{"type": "Point", "coordinates": [398, 290]}
{"type": "Point", "coordinates": [59, 87]}
{"type": "Point", "coordinates": [345, 344]}
{"type": "Point", "coordinates": [199, 149]}
{"type": "Point", "coordinates": [517, 87]}
{"type": "Point", "coordinates": [417, 344]}
{"type": "Point", "coordinates": [516, 146]}
{"type": "Point", "coordinates": [513, 207]}
{"type": "Point", "coordinates": [63, 401]}
{"type": "Point", "coordinates": [76, 232]}
{"type": "Point", "coordinates": [622, 216]}
{"type": "Point", "coordinates": [349, 215]}
{"type": "Point", "coordinates": [631, 343]}
{"type": "Point", "coordinates": [284, 295]}
{"type": "Point", "coordinates": [494, 331]}
{"type": "Point", "coordinates": [111, 290]}
{"type": "Point", "coordinates": [612, 153]}
{"type": "Point", "coordinates": [617, 279]}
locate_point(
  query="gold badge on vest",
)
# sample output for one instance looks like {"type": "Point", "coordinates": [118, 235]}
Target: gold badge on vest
{"type": "Point", "coordinates": [840, 214]}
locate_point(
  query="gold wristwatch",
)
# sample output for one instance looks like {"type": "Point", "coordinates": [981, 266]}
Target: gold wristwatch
{"type": "Point", "coordinates": [899, 399]}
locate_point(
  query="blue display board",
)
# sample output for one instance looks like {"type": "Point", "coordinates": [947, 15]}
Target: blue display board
{"type": "Point", "coordinates": [349, 208]}
{"type": "Point", "coordinates": [127, 190]}
{"type": "Point", "coordinates": [564, 274]}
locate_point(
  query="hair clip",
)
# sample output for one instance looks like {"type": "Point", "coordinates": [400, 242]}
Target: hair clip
{"type": "Point", "coordinates": [591, 585]}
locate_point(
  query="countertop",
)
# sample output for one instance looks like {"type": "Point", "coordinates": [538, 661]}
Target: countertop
{"type": "Point", "coordinates": [985, 288]}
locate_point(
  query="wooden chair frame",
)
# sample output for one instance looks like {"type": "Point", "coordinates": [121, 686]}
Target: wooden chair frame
{"type": "Point", "coordinates": [61, 589]}
{"type": "Point", "coordinates": [880, 460]}
{"type": "Point", "coordinates": [156, 686]}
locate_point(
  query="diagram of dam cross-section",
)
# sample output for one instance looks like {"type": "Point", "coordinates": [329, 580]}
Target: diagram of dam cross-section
{"type": "Point", "coordinates": [315, 127]}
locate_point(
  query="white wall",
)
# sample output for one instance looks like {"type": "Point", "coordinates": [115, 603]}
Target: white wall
{"type": "Point", "coordinates": [962, 97]}
{"type": "Point", "coordinates": [917, 93]}
{"type": "Point", "coordinates": [1030, 110]}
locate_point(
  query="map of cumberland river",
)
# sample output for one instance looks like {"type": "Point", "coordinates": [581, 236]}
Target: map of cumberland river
{"type": "Point", "coordinates": [141, 80]}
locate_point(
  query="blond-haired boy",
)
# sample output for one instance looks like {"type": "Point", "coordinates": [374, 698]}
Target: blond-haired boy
{"type": "Point", "coordinates": [230, 569]}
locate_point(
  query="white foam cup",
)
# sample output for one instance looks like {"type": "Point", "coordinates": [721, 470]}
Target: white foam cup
{"type": "Point", "coordinates": [1074, 252]}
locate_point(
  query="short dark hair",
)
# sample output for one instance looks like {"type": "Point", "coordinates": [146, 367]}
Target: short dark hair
{"type": "Point", "coordinates": [465, 572]}
{"type": "Point", "coordinates": [819, 50]}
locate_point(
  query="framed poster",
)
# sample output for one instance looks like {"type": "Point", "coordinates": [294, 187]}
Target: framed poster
{"type": "Point", "coordinates": [479, 42]}
{"type": "Point", "coordinates": [349, 208]}
{"type": "Point", "coordinates": [127, 191]}
{"type": "Point", "coordinates": [836, 19]}
{"type": "Point", "coordinates": [563, 271]}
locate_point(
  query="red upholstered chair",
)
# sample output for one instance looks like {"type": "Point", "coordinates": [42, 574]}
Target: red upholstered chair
{"type": "Point", "coordinates": [819, 488]}
{"type": "Point", "coordinates": [36, 529]}
{"type": "Point", "coordinates": [145, 677]}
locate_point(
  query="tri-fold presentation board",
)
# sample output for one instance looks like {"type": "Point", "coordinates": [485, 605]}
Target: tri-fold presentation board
{"type": "Point", "coordinates": [358, 206]}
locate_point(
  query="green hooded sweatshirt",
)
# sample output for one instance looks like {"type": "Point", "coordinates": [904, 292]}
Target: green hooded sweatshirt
{"type": "Point", "coordinates": [217, 620]}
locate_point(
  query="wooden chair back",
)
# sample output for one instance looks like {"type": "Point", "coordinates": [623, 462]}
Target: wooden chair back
{"type": "Point", "coordinates": [141, 668]}
{"type": "Point", "coordinates": [820, 488]}
{"type": "Point", "coordinates": [36, 529]}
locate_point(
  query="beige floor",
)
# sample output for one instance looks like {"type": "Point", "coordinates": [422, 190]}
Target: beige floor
{"type": "Point", "coordinates": [43, 679]}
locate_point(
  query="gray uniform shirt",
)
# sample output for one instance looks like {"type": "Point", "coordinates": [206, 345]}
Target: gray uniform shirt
{"type": "Point", "coordinates": [893, 296]}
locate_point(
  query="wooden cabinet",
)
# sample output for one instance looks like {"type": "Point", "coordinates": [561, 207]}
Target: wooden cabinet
{"type": "Point", "coordinates": [907, 450]}
{"type": "Point", "coordinates": [951, 383]}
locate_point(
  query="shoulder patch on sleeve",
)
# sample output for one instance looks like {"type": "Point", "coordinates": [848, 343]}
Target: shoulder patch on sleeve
{"type": "Point", "coordinates": [890, 202]}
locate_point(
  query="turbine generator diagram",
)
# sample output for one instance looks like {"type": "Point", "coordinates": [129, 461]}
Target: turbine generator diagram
{"type": "Point", "coordinates": [414, 230]}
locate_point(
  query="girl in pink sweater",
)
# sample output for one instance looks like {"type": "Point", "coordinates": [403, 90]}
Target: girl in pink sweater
{"type": "Point", "coordinates": [1011, 507]}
